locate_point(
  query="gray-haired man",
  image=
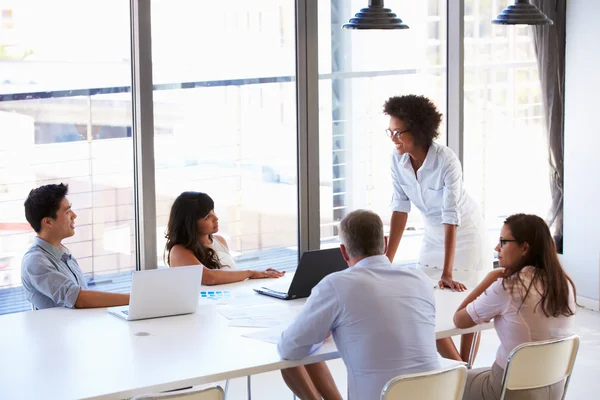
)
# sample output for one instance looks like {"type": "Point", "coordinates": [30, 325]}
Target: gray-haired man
{"type": "Point", "coordinates": [382, 316]}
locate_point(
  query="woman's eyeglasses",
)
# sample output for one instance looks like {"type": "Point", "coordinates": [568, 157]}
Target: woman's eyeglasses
{"type": "Point", "coordinates": [396, 133]}
{"type": "Point", "coordinates": [502, 242]}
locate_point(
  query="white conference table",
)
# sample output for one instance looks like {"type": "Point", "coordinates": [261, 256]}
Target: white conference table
{"type": "Point", "coordinates": [90, 354]}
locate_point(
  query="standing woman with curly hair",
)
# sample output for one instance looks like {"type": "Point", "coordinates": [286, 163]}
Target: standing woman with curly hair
{"type": "Point", "coordinates": [429, 175]}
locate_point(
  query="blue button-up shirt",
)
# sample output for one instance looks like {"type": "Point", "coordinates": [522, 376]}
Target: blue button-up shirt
{"type": "Point", "coordinates": [382, 318]}
{"type": "Point", "coordinates": [51, 277]}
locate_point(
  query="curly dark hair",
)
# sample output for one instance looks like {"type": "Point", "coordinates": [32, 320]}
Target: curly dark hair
{"type": "Point", "coordinates": [419, 114]}
{"type": "Point", "coordinates": [44, 202]}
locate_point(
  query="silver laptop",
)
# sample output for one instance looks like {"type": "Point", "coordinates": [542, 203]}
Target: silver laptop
{"type": "Point", "coordinates": [161, 293]}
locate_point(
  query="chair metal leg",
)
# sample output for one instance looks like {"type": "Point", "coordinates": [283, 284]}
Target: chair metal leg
{"type": "Point", "coordinates": [226, 389]}
{"type": "Point", "coordinates": [566, 386]}
{"type": "Point", "coordinates": [249, 388]}
{"type": "Point", "coordinates": [472, 351]}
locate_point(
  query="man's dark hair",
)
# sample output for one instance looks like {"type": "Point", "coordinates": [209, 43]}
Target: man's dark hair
{"type": "Point", "coordinates": [419, 114]}
{"type": "Point", "coordinates": [44, 202]}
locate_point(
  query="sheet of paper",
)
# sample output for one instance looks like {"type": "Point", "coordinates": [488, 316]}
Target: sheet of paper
{"type": "Point", "coordinates": [250, 298]}
{"type": "Point", "coordinates": [270, 335]}
{"type": "Point", "coordinates": [259, 322]}
{"type": "Point", "coordinates": [278, 311]}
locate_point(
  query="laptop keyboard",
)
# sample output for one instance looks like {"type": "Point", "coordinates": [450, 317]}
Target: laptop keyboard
{"type": "Point", "coordinates": [126, 312]}
{"type": "Point", "coordinates": [274, 291]}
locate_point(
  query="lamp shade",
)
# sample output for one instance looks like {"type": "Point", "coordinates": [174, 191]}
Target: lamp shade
{"type": "Point", "coordinates": [522, 13]}
{"type": "Point", "coordinates": [375, 16]}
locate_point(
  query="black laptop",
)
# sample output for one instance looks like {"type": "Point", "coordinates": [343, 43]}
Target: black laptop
{"type": "Point", "coordinates": [314, 265]}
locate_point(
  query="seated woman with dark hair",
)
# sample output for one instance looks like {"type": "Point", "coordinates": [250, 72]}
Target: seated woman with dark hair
{"type": "Point", "coordinates": [530, 298]}
{"type": "Point", "coordinates": [191, 240]}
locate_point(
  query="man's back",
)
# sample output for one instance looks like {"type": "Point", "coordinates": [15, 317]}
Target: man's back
{"type": "Point", "coordinates": [383, 321]}
{"type": "Point", "coordinates": [386, 326]}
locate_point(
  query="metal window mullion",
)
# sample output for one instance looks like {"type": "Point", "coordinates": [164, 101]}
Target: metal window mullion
{"type": "Point", "coordinates": [143, 135]}
{"type": "Point", "coordinates": [455, 59]}
{"type": "Point", "coordinates": [307, 95]}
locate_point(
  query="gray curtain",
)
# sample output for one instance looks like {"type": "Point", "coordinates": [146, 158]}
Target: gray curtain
{"type": "Point", "coordinates": [549, 44]}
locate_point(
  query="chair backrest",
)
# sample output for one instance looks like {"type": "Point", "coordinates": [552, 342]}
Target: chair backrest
{"type": "Point", "coordinates": [539, 364]}
{"type": "Point", "coordinates": [215, 393]}
{"type": "Point", "coordinates": [443, 384]}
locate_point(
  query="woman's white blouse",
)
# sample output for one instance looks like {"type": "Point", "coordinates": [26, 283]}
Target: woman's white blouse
{"type": "Point", "coordinates": [225, 257]}
{"type": "Point", "coordinates": [437, 190]}
{"type": "Point", "coordinates": [517, 321]}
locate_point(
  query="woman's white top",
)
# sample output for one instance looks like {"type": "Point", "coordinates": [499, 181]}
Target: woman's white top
{"type": "Point", "coordinates": [225, 257]}
{"type": "Point", "coordinates": [519, 322]}
{"type": "Point", "coordinates": [437, 191]}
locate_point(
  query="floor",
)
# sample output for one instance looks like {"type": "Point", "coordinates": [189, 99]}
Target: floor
{"type": "Point", "coordinates": [585, 383]}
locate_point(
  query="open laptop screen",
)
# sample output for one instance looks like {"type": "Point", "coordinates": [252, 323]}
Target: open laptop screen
{"type": "Point", "coordinates": [313, 267]}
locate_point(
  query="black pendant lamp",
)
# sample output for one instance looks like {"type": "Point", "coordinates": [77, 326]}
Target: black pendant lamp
{"type": "Point", "coordinates": [375, 17]}
{"type": "Point", "coordinates": [522, 13]}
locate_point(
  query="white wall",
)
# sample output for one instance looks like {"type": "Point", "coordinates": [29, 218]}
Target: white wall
{"type": "Point", "coordinates": [581, 255]}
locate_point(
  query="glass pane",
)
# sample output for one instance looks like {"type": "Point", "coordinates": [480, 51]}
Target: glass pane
{"type": "Point", "coordinates": [359, 71]}
{"type": "Point", "coordinates": [65, 116]}
{"type": "Point", "coordinates": [225, 121]}
{"type": "Point", "coordinates": [505, 148]}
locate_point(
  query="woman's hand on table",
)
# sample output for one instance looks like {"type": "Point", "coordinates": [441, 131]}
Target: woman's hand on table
{"type": "Point", "coordinates": [268, 273]}
{"type": "Point", "coordinates": [447, 282]}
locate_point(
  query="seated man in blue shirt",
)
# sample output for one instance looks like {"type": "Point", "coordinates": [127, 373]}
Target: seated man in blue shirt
{"type": "Point", "coordinates": [382, 316]}
{"type": "Point", "coordinates": [51, 276]}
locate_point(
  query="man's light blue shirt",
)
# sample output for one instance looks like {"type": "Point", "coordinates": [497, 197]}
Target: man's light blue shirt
{"type": "Point", "coordinates": [51, 277]}
{"type": "Point", "coordinates": [382, 318]}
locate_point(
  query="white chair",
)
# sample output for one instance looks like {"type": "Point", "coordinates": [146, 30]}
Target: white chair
{"type": "Point", "coordinates": [442, 384]}
{"type": "Point", "coordinates": [539, 364]}
{"type": "Point", "coordinates": [214, 393]}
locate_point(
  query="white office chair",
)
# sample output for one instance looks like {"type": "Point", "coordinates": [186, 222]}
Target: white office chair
{"type": "Point", "coordinates": [442, 384]}
{"type": "Point", "coordinates": [248, 388]}
{"type": "Point", "coordinates": [214, 393]}
{"type": "Point", "coordinates": [539, 364]}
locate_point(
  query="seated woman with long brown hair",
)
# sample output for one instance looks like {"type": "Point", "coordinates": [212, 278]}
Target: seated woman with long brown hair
{"type": "Point", "coordinates": [192, 240]}
{"type": "Point", "coordinates": [530, 298]}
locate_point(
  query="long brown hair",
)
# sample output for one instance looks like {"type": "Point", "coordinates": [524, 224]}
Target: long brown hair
{"type": "Point", "coordinates": [548, 273]}
{"type": "Point", "coordinates": [182, 228]}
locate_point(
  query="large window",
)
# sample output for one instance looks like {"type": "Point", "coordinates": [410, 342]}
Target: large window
{"type": "Point", "coordinates": [225, 120]}
{"type": "Point", "coordinates": [65, 116]}
{"type": "Point", "coordinates": [505, 148]}
{"type": "Point", "coordinates": [359, 70]}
